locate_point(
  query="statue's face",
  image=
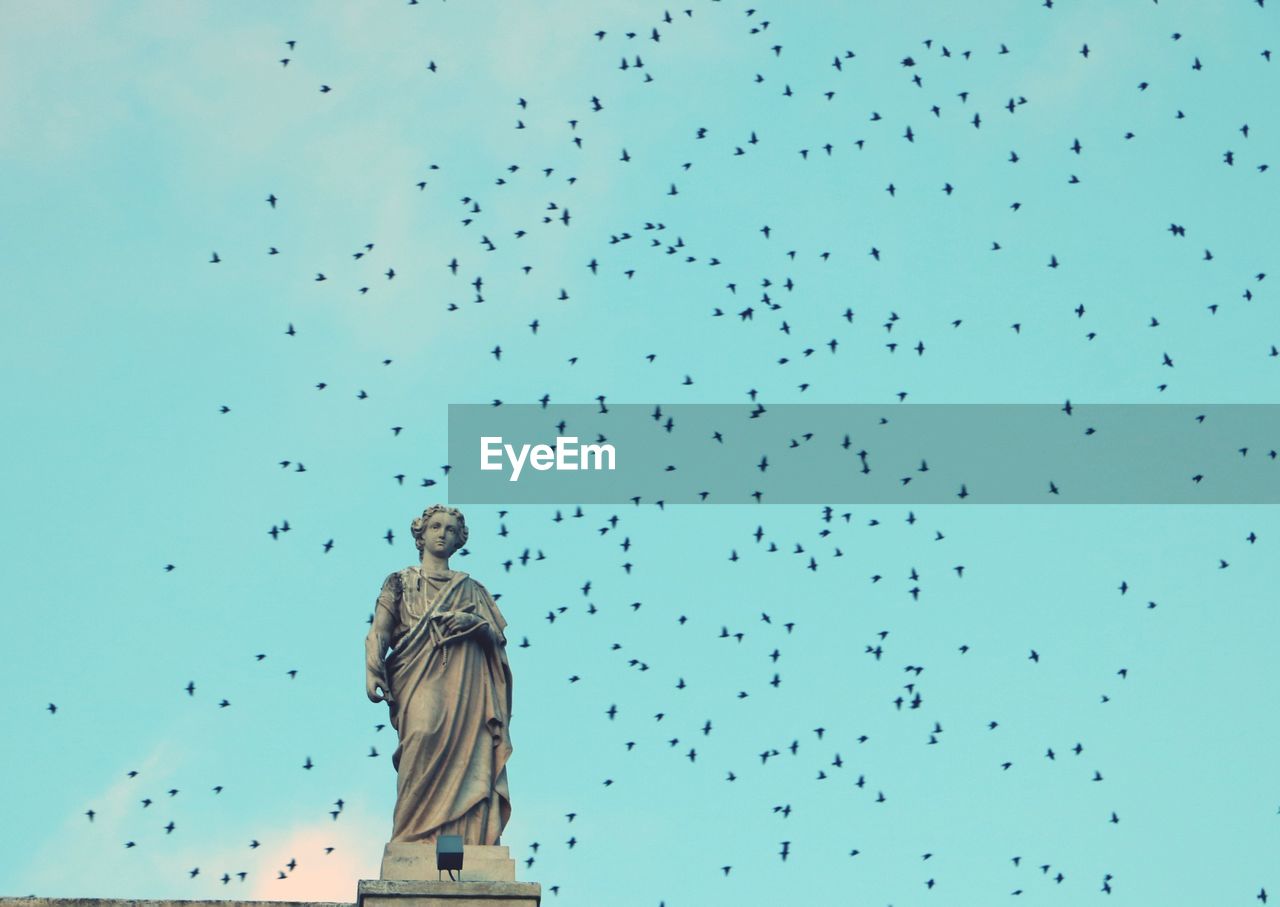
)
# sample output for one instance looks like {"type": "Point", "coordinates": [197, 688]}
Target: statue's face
{"type": "Point", "coordinates": [441, 536]}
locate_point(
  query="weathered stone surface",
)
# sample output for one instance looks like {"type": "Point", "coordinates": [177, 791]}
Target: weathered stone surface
{"type": "Point", "coordinates": [382, 893]}
{"type": "Point", "coordinates": [117, 902]}
{"type": "Point", "coordinates": [368, 894]}
{"type": "Point", "coordinates": [447, 684]}
{"type": "Point", "coordinates": [480, 863]}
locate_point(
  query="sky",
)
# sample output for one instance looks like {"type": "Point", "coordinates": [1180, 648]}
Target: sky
{"type": "Point", "coordinates": [1007, 202]}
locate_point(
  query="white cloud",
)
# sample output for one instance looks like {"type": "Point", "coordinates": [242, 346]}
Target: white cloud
{"type": "Point", "coordinates": [96, 847]}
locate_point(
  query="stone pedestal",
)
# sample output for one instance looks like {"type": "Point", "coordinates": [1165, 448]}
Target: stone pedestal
{"type": "Point", "coordinates": [381, 893]}
{"type": "Point", "coordinates": [409, 878]}
{"type": "Point", "coordinates": [480, 863]}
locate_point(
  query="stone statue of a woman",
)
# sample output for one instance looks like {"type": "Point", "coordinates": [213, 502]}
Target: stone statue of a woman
{"type": "Point", "coordinates": [447, 682]}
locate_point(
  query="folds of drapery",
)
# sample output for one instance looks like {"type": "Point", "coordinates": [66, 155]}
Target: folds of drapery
{"type": "Point", "coordinates": [451, 705]}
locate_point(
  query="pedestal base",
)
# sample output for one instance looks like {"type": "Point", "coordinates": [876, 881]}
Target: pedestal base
{"type": "Point", "coordinates": [382, 893]}
{"type": "Point", "coordinates": [480, 863]}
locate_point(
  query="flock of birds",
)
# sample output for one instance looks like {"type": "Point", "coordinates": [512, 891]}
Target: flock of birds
{"type": "Point", "coordinates": [638, 50]}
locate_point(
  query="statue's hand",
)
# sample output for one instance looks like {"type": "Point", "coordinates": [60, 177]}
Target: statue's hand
{"type": "Point", "coordinates": [455, 622]}
{"type": "Point", "coordinates": [375, 685]}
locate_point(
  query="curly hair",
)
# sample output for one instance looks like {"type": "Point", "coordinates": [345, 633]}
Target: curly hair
{"type": "Point", "coordinates": [419, 525]}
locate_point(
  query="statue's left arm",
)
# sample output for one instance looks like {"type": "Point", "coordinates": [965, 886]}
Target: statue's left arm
{"type": "Point", "coordinates": [495, 625]}
{"type": "Point", "coordinates": [493, 620]}
{"type": "Point", "coordinates": [478, 617]}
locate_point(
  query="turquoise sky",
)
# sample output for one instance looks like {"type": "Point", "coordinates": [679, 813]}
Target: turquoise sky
{"type": "Point", "coordinates": [137, 140]}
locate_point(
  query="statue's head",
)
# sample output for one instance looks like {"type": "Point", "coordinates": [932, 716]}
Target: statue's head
{"type": "Point", "coordinates": [443, 527]}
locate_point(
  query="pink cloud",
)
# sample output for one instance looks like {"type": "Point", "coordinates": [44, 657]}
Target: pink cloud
{"type": "Point", "coordinates": [317, 875]}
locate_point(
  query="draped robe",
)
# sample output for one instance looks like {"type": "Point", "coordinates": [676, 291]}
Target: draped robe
{"type": "Point", "coordinates": [451, 705]}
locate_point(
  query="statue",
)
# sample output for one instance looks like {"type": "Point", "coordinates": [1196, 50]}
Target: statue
{"type": "Point", "coordinates": [447, 683]}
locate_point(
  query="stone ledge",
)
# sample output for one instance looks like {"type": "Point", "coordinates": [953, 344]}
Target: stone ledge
{"type": "Point", "coordinates": [33, 901]}
{"type": "Point", "coordinates": [384, 893]}
{"type": "Point", "coordinates": [369, 893]}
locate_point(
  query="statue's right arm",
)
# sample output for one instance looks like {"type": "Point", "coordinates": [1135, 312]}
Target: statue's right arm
{"type": "Point", "coordinates": [378, 640]}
